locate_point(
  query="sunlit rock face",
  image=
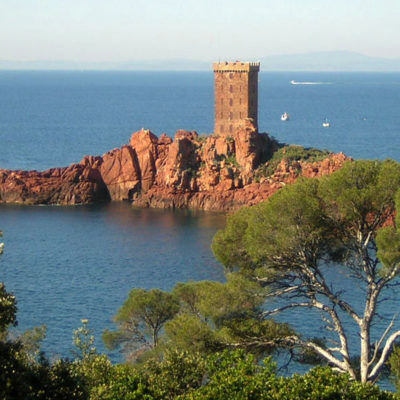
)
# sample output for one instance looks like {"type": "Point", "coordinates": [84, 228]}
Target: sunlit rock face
{"type": "Point", "coordinates": [216, 172]}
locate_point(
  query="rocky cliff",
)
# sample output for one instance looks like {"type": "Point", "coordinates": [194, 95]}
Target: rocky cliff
{"type": "Point", "coordinates": [191, 171]}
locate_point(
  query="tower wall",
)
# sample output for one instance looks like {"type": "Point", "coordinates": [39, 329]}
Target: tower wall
{"type": "Point", "coordinates": [236, 95]}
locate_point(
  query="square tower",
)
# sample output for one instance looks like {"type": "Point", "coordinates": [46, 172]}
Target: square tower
{"type": "Point", "coordinates": [236, 95]}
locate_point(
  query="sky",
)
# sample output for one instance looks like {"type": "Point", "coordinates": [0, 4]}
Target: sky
{"type": "Point", "coordinates": [207, 30]}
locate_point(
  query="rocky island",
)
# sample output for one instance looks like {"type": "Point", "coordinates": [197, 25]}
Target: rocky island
{"type": "Point", "coordinates": [213, 172]}
{"type": "Point", "coordinates": [233, 167]}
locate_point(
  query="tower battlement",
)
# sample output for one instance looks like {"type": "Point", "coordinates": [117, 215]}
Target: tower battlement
{"type": "Point", "coordinates": [236, 95]}
{"type": "Point", "coordinates": [236, 66]}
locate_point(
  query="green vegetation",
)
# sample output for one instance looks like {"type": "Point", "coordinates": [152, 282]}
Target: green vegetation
{"type": "Point", "coordinates": [212, 340]}
{"type": "Point", "coordinates": [394, 362]}
{"type": "Point", "coordinates": [223, 376]}
{"type": "Point", "coordinates": [290, 154]}
{"type": "Point", "coordinates": [288, 244]}
{"type": "Point", "coordinates": [237, 376]}
{"type": "Point", "coordinates": [140, 320]}
{"type": "Point", "coordinates": [202, 138]}
{"type": "Point", "coordinates": [231, 161]}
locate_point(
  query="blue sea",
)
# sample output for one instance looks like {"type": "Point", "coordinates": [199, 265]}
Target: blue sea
{"type": "Point", "coordinates": [69, 263]}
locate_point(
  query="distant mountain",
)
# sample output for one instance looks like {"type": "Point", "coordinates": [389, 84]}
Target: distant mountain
{"type": "Point", "coordinates": [329, 61]}
{"type": "Point", "coordinates": [321, 61]}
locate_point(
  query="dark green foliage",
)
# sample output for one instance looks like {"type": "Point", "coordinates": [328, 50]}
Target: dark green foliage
{"type": "Point", "coordinates": [317, 215]}
{"type": "Point", "coordinates": [231, 161]}
{"type": "Point", "coordinates": [178, 373]}
{"type": "Point", "coordinates": [323, 384]}
{"type": "Point", "coordinates": [215, 315]}
{"type": "Point", "coordinates": [60, 382]}
{"type": "Point", "coordinates": [8, 311]}
{"type": "Point", "coordinates": [20, 380]}
{"type": "Point", "coordinates": [121, 383]}
{"type": "Point", "coordinates": [191, 333]}
{"type": "Point", "coordinates": [230, 375]}
{"type": "Point", "coordinates": [228, 244]}
{"type": "Point", "coordinates": [286, 243]}
{"type": "Point", "coordinates": [16, 378]}
{"type": "Point", "coordinates": [394, 362]}
{"type": "Point", "coordinates": [236, 376]}
{"type": "Point", "coordinates": [141, 319]}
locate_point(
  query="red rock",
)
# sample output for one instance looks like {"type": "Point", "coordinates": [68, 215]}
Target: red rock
{"type": "Point", "coordinates": [145, 145]}
{"type": "Point", "coordinates": [213, 173]}
{"type": "Point", "coordinates": [75, 184]}
{"type": "Point", "coordinates": [120, 173]}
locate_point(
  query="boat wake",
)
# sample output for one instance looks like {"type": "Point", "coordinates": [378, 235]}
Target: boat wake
{"type": "Point", "coordinates": [309, 83]}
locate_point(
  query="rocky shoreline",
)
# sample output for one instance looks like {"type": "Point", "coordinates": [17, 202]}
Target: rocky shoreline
{"type": "Point", "coordinates": [220, 173]}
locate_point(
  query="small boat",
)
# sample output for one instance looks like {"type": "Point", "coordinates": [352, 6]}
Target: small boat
{"type": "Point", "coordinates": [285, 116]}
{"type": "Point", "coordinates": [326, 124]}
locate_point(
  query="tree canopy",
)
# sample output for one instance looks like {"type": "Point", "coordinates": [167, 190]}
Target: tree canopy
{"type": "Point", "coordinates": [342, 221]}
{"type": "Point", "coordinates": [141, 319]}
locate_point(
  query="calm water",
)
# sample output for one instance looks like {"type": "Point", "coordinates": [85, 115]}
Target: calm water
{"type": "Point", "coordinates": [68, 263]}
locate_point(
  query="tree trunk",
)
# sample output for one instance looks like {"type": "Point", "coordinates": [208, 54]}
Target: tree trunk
{"type": "Point", "coordinates": [365, 351]}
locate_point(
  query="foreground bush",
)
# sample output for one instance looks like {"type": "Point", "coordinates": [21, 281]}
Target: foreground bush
{"type": "Point", "coordinates": [223, 376]}
{"type": "Point", "coordinates": [236, 376]}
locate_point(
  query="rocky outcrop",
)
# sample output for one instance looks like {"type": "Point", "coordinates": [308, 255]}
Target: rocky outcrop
{"type": "Point", "coordinates": [120, 172]}
{"type": "Point", "coordinates": [211, 173]}
{"type": "Point", "coordinates": [221, 199]}
{"type": "Point", "coordinates": [75, 184]}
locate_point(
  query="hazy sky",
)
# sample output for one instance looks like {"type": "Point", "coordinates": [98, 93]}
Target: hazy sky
{"type": "Point", "coordinates": [120, 30]}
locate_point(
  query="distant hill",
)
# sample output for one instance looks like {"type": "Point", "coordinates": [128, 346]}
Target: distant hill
{"type": "Point", "coordinates": [329, 61]}
{"type": "Point", "coordinates": [321, 61]}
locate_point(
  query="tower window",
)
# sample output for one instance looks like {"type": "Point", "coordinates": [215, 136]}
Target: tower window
{"type": "Point", "coordinates": [231, 88]}
{"type": "Point", "coordinates": [231, 115]}
{"type": "Point", "coordinates": [230, 102]}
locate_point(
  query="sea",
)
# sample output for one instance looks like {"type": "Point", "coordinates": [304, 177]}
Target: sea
{"type": "Point", "coordinates": [65, 264]}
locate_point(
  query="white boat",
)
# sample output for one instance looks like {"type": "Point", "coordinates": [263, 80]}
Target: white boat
{"type": "Point", "coordinates": [326, 124]}
{"type": "Point", "coordinates": [285, 116]}
{"type": "Point", "coordinates": [293, 82]}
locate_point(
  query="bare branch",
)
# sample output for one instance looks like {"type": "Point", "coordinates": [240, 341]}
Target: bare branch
{"type": "Point", "coordinates": [343, 366]}
{"type": "Point", "coordinates": [281, 292]}
{"type": "Point", "coordinates": [373, 375]}
{"type": "Point", "coordinates": [283, 308]}
{"type": "Point", "coordinates": [380, 341]}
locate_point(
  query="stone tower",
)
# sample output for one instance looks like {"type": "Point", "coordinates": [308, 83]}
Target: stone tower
{"type": "Point", "coordinates": [236, 95]}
